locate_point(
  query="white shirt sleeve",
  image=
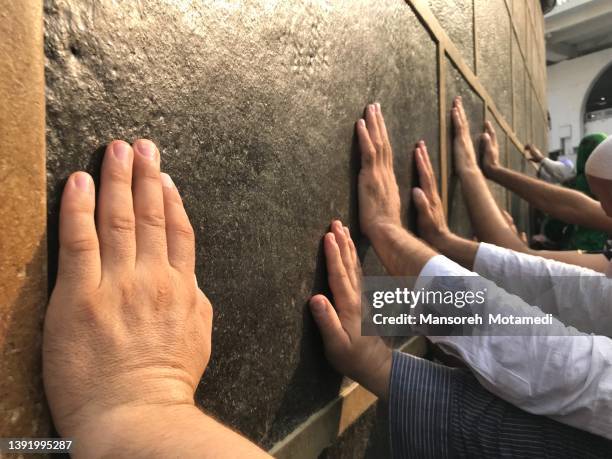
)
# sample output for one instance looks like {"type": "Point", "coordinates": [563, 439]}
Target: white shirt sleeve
{"type": "Point", "coordinates": [566, 375]}
{"type": "Point", "coordinates": [577, 296]}
{"type": "Point", "coordinates": [557, 170]}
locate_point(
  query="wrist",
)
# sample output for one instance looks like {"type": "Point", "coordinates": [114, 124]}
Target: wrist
{"type": "Point", "coordinates": [383, 231]}
{"type": "Point", "coordinates": [111, 432]}
{"type": "Point", "coordinates": [376, 376]}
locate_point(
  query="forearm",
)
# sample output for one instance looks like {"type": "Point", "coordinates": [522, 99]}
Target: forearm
{"type": "Point", "coordinates": [487, 220]}
{"type": "Point", "coordinates": [159, 432]}
{"type": "Point", "coordinates": [458, 249]}
{"type": "Point", "coordinates": [401, 253]}
{"type": "Point", "coordinates": [562, 203]}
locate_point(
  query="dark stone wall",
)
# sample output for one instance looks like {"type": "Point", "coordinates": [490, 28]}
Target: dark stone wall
{"type": "Point", "coordinates": [252, 105]}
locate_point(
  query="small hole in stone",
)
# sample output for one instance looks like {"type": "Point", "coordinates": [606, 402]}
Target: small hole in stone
{"type": "Point", "coordinates": [75, 50]}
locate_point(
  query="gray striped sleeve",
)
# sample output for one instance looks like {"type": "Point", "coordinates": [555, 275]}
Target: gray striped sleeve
{"type": "Point", "coordinates": [441, 412]}
{"type": "Point", "coordinates": [419, 407]}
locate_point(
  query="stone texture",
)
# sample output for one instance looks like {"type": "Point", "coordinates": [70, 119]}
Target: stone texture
{"type": "Point", "coordinates": [519, 82]}
{"type": "Point", "coordinates": [519, 16]}
{"type": "Point", "coordinates": [252, 104]}
{"type": "Point", "coordinates": [456, 17]}
{"type": "Point", "coordinates": [456, 85]}
{"type": "Point", "coordinates": [253, 111]}
{"type": "Point", "coordinates": [368, 438]}
{"type": "Point", "coordinates": [23, 278]}
{"type": "Point", "coordinates": [493, 47]}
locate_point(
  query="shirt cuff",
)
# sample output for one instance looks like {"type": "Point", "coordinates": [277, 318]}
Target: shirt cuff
{"type": "Point", "coordinates": [488, 258]}
{"type": "Point", "coordinates": [442, 266]}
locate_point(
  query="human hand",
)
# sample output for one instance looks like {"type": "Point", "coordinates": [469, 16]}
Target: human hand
{"type": "Point", "coordinates": [535, 154]}
{"type": "Point", "coordinates": [379, 199]}
{"type": "Point", "coordinates": [463, 148]}
{"type": "Point", "coordinates": [365, 359]}
{"type": "Point", "coordinates": [432, 223]}
{"type": "Point", "coordinates": [490, 149]}
{"type": "Point", "coordinates": [126, 325]}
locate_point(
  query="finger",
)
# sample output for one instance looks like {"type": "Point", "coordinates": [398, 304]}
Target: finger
{"type": "Point", "coordinates": [79, 250]}
{"type": "Point", "coordinates": [115, 213]}
{"type": "Point", "coordinates": [387, 152]}
{"type": "Point", "coordinates": [457, 121]}
{"type": "Point", "coordinates": [421, 201]}
{"type": "Point", "coordinates": [425, 178]}
{"type": "Point", "coordinates": [345, 250]}
{"type": "Point", "coordinates": [328, 322]}
{"type": "Point", "coordinates": [339, 281]}
{"type": "Point", "coordinates": [375, 137]}
{"type": "Point", "coordinates": [461, 110]}
{"type": "Point", "coordinates": [179, 233]}
{"type": "Point", "coordinates": [148, 204]}
{"type": "Point", "coordinates": [368, 152]}
{"type": "Point", "coordinates": [486, 141]}
{"type": "Point", "coordinates": [353, 249]}
{"type": "Point", "coordinates": [491, 131]}
{"type": "Point", "coordinates": [426, 157]}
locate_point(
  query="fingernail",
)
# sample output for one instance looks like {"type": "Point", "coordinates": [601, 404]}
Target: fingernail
{"type": "Point", "coordinates": [317, 306]}
{"type": "Point", "coordinates": [82, 181]}
{"type": "Point", "coordinates": [120, 150]}
{"type": "Point", "coordinates": [167, 180]}
{"type": "Point", "coordinates": [373, 108]}
{"type": "Point", "coordinates": [331, 237]}
{"type": "Point", "coordinates": [146, 148]}
{"type": "Point", "coordinates": [361, 122]}
{"type": "Point", "coordinates": [377, 107]}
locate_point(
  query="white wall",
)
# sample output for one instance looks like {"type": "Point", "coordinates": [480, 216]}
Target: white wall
{"type": "Point", "coordinates": [604, 126]}
{"type": "Point", "coordinates": [568, 84]}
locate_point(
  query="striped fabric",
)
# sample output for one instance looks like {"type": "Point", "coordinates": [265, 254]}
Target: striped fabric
{"type": "Point", "coordinates": [441, 412]}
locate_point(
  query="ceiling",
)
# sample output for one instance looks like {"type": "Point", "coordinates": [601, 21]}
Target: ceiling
{"type": "Point", "coordinates": [577, 27]}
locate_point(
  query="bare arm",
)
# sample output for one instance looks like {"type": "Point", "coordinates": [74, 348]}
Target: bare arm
{"type": "Point", "coordinates": [162, 431]}
{"type": "Point", "coordinates": [487, 219]}
{"type": "Point", "coordinates": [565, 204]}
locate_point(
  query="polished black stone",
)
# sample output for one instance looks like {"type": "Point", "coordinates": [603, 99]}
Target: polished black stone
{"type": "Point", "coordinates": [253, 110]}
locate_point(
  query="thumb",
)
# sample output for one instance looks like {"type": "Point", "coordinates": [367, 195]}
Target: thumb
{"type": "Point", "coordinates": [328, 321]}
{"type": "Point", "coordinates": [420, 200]}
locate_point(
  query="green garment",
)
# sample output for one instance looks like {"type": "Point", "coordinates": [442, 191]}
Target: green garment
{"type": "Point", "coordinates": [574, 237]}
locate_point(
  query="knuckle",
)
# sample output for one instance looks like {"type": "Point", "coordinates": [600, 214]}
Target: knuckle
{"type": "Point", "coordinates": [184, 231]}
{"type": "Point", "coordinates": [117, 175]}
{"type": "Point", "coordinates": [153, 220]}
{"type": "Point", "coordinates": [122, 224]}
{"type": "Point", "coordinates": [81, 245]}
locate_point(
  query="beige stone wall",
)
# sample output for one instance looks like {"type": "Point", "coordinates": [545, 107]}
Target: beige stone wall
{"type": "Point", "coordinates": [23, 279]}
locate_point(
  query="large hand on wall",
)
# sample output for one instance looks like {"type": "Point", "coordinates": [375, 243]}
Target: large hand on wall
{"type": "Point", "coordinates": [379, 199]}
{"type": "Point", "coordinates": [432, 223]}
{"type": "Point", "coordinates": [365, 359]}
{"type": "Point", "coordinates": [126, 326]}
{"type": "Point", "coordinates": [463, 148]}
